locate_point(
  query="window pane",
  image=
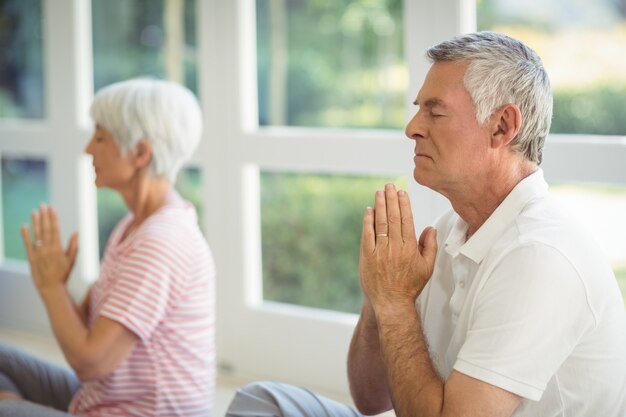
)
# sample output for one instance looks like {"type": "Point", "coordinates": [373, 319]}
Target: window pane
{"type": "Point", "coordinates": [189, 185]}
{"type": "Point", "coordinates": [311, 229]}
{"type": "Point", "coordinates": [19, 175]}
{"type": "Point", "coordinates": [583, 47]}
{"type": "Point", "coordinates": [331, 63]}
{"type": "Point", "coordinates": [584, 202]}
{"type": "Point", "coordinates": [21, 68]}
{"type": "Point", "coordinates": [133, 38]}
{"type": "Point", "coordinates": [111, 207]}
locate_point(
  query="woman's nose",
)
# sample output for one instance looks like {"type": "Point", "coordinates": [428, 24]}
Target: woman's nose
{"type": "Point", "coordinates": [88, 148]}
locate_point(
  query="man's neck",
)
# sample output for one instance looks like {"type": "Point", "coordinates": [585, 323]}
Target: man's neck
{"type": "Point", "coordinates": [475, 204]}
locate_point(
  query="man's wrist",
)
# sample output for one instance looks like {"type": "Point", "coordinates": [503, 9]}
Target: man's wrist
{"type": "Point", "coordinates": [394, 312]}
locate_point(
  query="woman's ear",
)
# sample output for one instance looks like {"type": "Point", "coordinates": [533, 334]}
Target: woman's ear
{"type": "Point", "coordinates": [508, 122]}
{"type": "Point", "coordinates": [143, 153]}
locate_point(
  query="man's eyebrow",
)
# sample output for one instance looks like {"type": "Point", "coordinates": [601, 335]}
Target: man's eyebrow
{"type": "Point", "coordinates": [430, 103]}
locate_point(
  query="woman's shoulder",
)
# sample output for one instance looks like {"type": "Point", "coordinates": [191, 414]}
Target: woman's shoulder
{"type": "Point", "coordinates": [172, 222]}
{"type": "Point", "coordinates": [174, 225]}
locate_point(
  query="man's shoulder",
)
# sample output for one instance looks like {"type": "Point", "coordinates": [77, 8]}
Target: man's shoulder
{"type": "Point", "coordinates": [546, 223]}
{"type": "Point", "coordinates": [548, 237]}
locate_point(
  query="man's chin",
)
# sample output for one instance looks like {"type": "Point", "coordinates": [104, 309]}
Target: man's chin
{"type": "Point", "coordinates": [420, 177]}
{"type": "Point", "coordinates": [424, 180]}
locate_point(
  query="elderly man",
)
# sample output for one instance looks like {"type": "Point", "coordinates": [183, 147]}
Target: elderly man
{"type": "Point", "coordinates": [505, 308]}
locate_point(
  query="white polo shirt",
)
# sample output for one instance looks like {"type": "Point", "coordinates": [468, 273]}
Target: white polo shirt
{"type": "Point", "coordinates": [529, 304]}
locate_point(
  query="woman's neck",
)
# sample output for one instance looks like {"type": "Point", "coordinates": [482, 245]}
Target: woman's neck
{"type": "Point", "coordinates": [144, 197]}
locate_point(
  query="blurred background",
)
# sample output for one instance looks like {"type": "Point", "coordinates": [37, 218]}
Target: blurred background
{"type": "Point", "coordinates": [305, 103]}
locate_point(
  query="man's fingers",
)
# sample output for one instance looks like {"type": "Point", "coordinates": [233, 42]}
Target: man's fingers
{"type": "Point", "coordinates": [368, 241]}
{"type": "Point", "coordinates": [406, 214]}
{"type": "Point", "coordinates": [394, 224]}
{"type": "Point", "coordinates": [428, 245]}
{"type": "Point", "coordinates": [380, 215]}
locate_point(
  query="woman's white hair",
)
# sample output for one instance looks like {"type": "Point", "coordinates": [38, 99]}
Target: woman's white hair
{"type": "Point", "coordinates": [503, 70]}
{"type": "Point", "coordinates": [164, 113]}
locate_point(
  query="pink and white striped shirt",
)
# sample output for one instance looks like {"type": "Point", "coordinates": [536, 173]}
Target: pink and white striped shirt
{"type": "Point", "coordinates": [158, 283]}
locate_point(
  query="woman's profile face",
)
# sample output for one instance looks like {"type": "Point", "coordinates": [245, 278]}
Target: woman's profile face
{"type": "Point", "coordinates": [111, 168]}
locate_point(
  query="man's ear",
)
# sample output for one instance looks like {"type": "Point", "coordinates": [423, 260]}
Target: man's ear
{"type": "Point", "coordinates": [507, 124]}
{"type": "Point", "coordinates": [143, 153]}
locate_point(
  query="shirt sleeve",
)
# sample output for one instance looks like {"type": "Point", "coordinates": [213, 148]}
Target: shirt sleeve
{"type": "Point", "coordinates": [140, 294]}
{"type": "Point", "coordinates": [528, 317]}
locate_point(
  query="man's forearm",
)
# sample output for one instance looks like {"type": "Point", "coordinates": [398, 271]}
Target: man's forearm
{"type": "Point", "coordinates": [366, 369]}
{"type": "Point", "coordinates": [415, 386]}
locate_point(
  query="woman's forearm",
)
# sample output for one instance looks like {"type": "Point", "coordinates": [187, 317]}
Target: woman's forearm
{"type": "Point", "coordinates": [67, 324]}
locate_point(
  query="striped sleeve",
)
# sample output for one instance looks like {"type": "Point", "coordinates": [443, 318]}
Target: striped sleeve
{"type": "Point", "coordinates": [140, 294]}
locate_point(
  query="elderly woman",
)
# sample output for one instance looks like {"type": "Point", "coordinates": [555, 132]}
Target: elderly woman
{"type": "Point", "coordinates": [142, 341]}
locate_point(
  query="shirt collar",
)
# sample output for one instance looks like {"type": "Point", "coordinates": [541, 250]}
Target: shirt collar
{"type": "Point", "coordinates": [477, 246]}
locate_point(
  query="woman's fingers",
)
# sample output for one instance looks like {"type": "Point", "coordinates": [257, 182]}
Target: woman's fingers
{"type": "Point", "coordinates": [46, 229]}
{"type": "Point", "coordinates": [35, 218]}
{"type": "Point", "coordinates": [44, 218]}
{"type": "Point", "coordinates": [72, 249]}
{"type": "Point", "coordinates": [28, 245]}
{"type": "Point", "coordinates": [53, 224]}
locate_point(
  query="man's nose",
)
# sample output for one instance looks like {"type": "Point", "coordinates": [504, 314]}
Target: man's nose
{"type": "Point", "coordinates": [414, 128]}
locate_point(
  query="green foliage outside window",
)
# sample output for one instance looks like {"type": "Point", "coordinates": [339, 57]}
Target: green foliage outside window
{"type": "Point", "coordinates": [596, 110]}
{"type": "Point", "coordinates": [311, 228]}
{"type": "Point", "coordinates": [129, 38]}
{"type": "Point", "coordinates": [584, 52]}
{"type": "Point", "coordinates": [331, 63]}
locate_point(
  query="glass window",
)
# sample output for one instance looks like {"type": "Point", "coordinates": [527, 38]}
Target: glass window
{"type": "Point", "coordinates": [331, 63]}
{"type": "Point", "coordinates": [133, 38]}
{"type": "Point", "coordinates": [311, 230]}
{"type": "Point", "coordinates": [188, 185]}
{"type": "Point", "coordinates": [111, 207]}
{"type": "Point", "coordinates": [24, 188]}
{"type": "Point", "coordinates": [583, 47]}
{"type": "Point", "coordinates": [583, 202]}
{"type": "Point", "coordinates": [21, 67]}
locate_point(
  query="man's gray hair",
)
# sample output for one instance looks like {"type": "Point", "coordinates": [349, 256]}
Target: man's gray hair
{"type": "Point", "coordinates": [503, 70]}
{"type": "Point", "coordinates": [164, 113]}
